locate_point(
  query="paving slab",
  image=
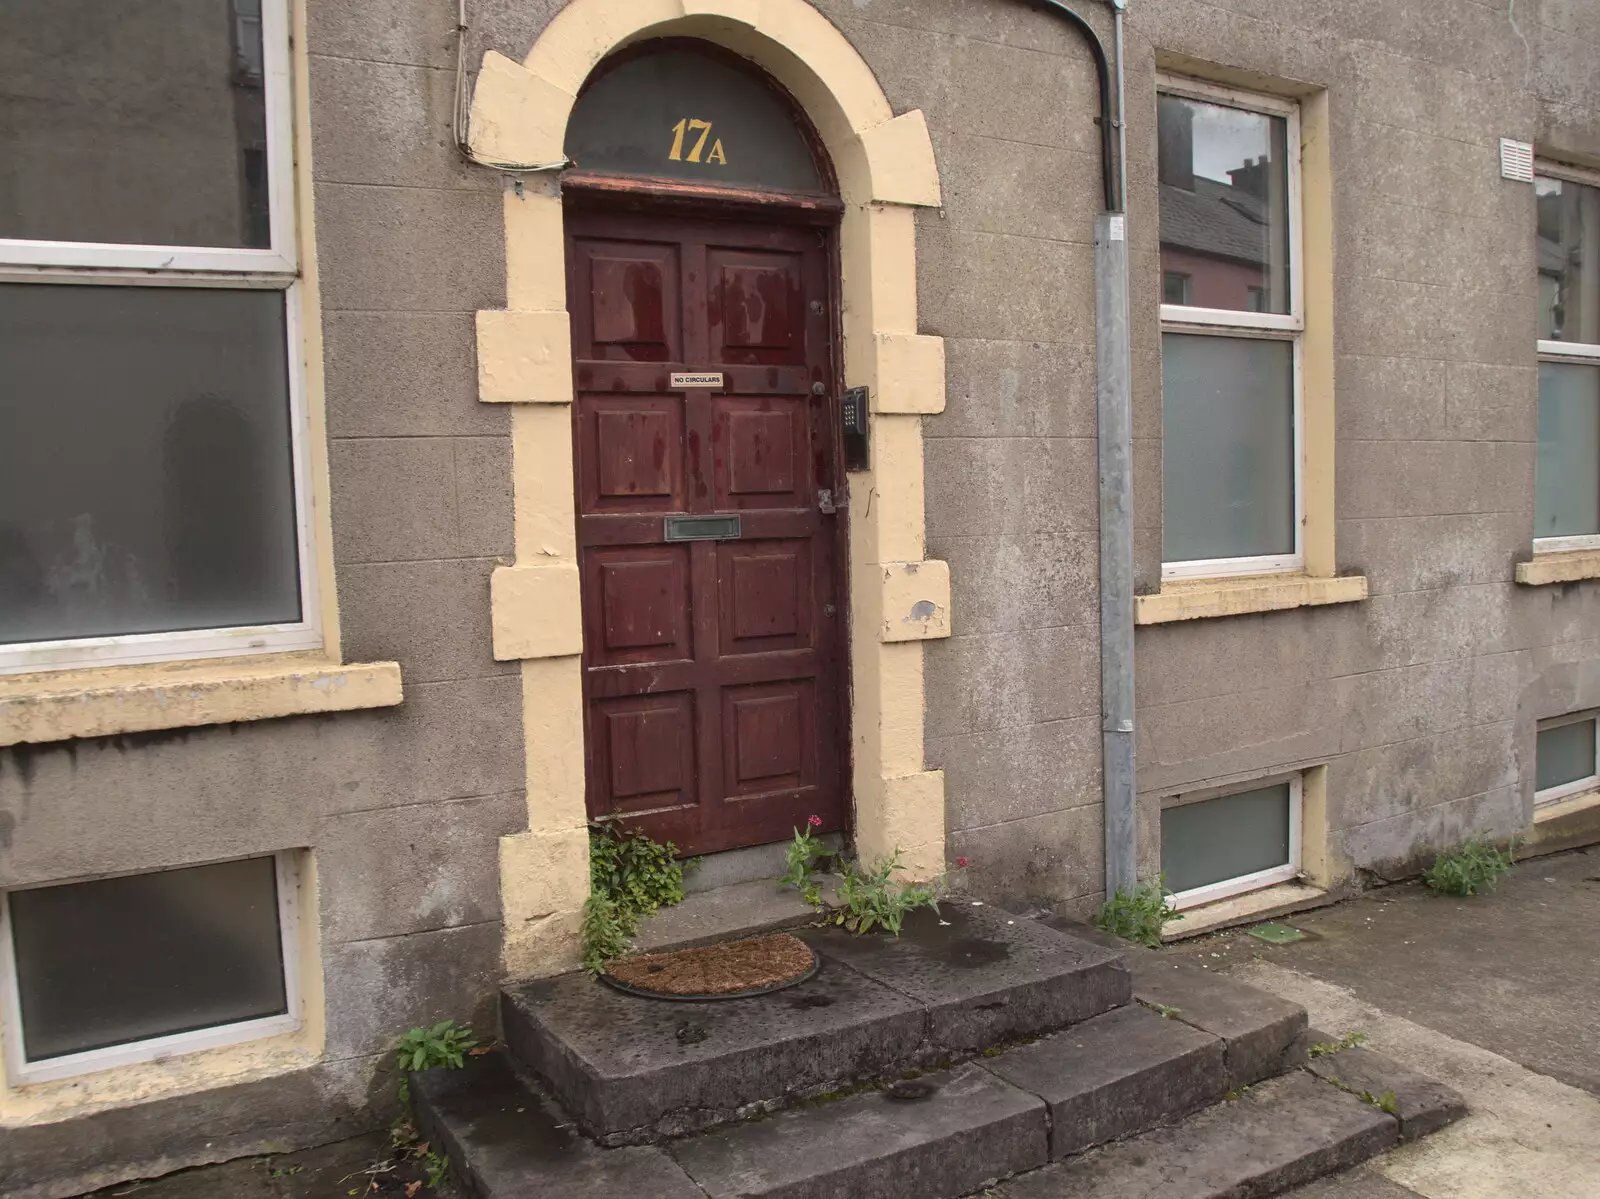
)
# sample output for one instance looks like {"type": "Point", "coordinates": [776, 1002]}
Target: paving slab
{"type": "Point", "coordinates": [1421, 1104]}
{"type": "Point", "coordinates": [1361, 1183]}
{"type": "Point", "coordinates": [984, 975]}
{"type": "Point", "coordinates": [958, 1130]}
{"type": "Point", "coordinates": [506, 1142]}
{"type": "Point", "coordinates": [1116, 1074]}
{"type": "Point", "coordinates": [629, 1068]}
{"type": "Point", "coordinates": [1508, 970]}
{"type": "Point", "coordinates": [1282, 1133]}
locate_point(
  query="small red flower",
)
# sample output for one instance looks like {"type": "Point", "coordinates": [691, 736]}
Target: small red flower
{"type": "Point", "coordinates": [962, 862]}
{"type": "Point", "coordinates": [814, 821]}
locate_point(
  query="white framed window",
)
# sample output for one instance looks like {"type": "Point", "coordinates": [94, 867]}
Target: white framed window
{"type": "Point", "coordinates": [1232, 427]}
{"type": "Point", "coordinates": [1566, 757]}
{"type": "Point", "coordinates": [128, 968]}
{"type": "Point", "coordinates": [1567, 474]}
{"type": "Point", "coordinates": [153, 431]}
{"type": "Point", "coordinates": [1214, 846]}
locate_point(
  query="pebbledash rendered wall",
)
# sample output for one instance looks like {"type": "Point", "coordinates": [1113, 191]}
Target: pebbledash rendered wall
{"type": "Point", "coordinates": [1421, 700]}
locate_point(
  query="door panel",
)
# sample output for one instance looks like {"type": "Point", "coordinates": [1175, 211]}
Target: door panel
{"type": "Point", "coordinates": [712, 669]}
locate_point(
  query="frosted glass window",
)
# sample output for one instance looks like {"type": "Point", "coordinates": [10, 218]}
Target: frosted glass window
{"type": "Point", "coordinates": [1567, 474]}
{"type": "Point", "coordinates": [1224, 190]}
{"type": "Point", "coordinates": [1216, 840]}
{"type": "Point", "coordinates": [1569, 261]}
{"type": "Point", "coordinates": [146, 476]}
{"type": "Point", "coordinates": [138, 121]}
{"type": "Point", "coordinates": [1228, 473]}
{"type": "Point", "coordinates": [1565, 754]}
{"type": "Point", "coordinates": [126, 959]}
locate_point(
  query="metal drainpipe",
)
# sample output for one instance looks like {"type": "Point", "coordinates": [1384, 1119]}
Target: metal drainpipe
{"type": "Point", "coordinates": [1113, 358]}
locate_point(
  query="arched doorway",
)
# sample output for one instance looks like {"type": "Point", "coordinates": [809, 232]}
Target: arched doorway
{"type": "Point", "coordinates": [702, 274]}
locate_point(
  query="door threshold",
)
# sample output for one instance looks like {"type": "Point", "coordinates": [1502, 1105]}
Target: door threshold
{"type": "Point", "coordinates": [726, 914]}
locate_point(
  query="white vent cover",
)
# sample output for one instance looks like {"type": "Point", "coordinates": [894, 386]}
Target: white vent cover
{"type": "Point", "coordinates": [1516, 160]}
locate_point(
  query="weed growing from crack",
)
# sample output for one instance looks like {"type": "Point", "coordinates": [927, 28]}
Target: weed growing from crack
{"type": "Point", "coordinates": [1138, 915]}
{"type": "Point", "coordinates": [1475, 866]}
{"type": "Point", "coordinates": [1351, 1040]}
{"type": "Point", "coordinates": [1165, 1010]}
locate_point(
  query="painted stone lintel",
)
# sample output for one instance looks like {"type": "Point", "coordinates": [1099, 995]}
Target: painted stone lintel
{"type": "Point", "coordinates": [524, 357]}
{"type": "Point", "coordinates": [535, 611]}
{"type": "Point", "coordinates": [908, 376]}
{"type": "Point", "coordinates": [916, 601]}
{"type": "Point", "coordinates": [900, 157]}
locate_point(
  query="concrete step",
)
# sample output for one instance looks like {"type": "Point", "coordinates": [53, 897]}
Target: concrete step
{"type": "Point", "coordinates": [1262, 1035]}
{"type": "Point", "coordinates": [996, 1121]}
{"type": "Point", "coordinates": [1114, 1075]}
{"type": "Point", "coordinates": [632, 1070]}
{"type": "Point", "coordinates": [1276, 1135]}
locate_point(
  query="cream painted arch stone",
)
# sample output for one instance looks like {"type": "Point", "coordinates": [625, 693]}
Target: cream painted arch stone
{"type": "Point", "coordinates": [886, 168]}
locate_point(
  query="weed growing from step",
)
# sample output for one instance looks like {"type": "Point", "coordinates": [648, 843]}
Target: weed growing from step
{"type": "Point", "coordinates": [1384, 1101]}
{"type": "Point", "coordinates": [630, 877]}
{"type": "Point", "coordinates": [1351, 1040]}
{"type": "Point", "coordinates": [1138, 915]}
{"type": "Point", "coordinates": [868, 898]}
{"type": "Point", "coordinates": [445, 1044]}
{"type": "Point", "coordinates": [1475, 866]}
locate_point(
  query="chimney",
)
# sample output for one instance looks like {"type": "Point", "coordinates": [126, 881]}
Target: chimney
{"type": "Point", "coordinates": [1252, 177]}
{"type": "Point", "coordinates": [1175, 139]}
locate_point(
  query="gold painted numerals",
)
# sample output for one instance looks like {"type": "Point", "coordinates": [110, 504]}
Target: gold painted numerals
{"type": "Point", "coordinates": [688, 127]}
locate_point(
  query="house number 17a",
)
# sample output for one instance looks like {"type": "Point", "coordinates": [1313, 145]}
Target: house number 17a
{"type": "Point", "coordinates": [688, 127]}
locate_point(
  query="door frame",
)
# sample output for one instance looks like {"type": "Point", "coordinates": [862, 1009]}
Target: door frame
{"type": "Point", "coordinates": [604, 194]}
{"type": "Point", "coordinates": [897, 597]}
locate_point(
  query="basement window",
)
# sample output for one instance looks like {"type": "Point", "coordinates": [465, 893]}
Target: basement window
{"type": "Point", "coordinates": [113, 971]}
{"type": "Point", "coordinates": [1216, 846]}
{"type": "Point", "coordinates": [1565, 758]}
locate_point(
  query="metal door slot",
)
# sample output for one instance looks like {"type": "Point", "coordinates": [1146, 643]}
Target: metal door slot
{"type": "Point", "coordinates": [703, 528]}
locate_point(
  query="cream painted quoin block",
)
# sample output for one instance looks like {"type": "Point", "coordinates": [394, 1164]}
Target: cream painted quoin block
{"type": "Point", "coordinates": [886, 168]}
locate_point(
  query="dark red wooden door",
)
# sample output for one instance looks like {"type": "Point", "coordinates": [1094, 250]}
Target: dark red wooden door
{"type": "Point", "coordinates": [713, 712]}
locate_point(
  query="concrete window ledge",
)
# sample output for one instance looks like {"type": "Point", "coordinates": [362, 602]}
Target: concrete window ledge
{"type": "Point", "coordinates": [1566, 566]}
{"type": "Point", "coordinates": [1203, 598]}
{"type": "Point", "coordinates": [1279, 900]}
{"type": "Point", "coordinates": [133, 699]}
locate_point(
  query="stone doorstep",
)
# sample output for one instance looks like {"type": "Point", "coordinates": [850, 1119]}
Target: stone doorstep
{"type": "Point", "coordinates": [1262, 1035]}
{"type": "Point", "coordinates": [1276, 1135]}
{"type": "Point", "coordinates": [633, 1070]}
{"type": "Point", "coordinates": [1421, 1104]}
{"type": "Point", "coordinates": [962, 1129]}
{"type": "Point", "coordinates": [1117, 1074]}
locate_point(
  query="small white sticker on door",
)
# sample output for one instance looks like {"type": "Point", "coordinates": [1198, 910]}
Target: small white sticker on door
{"type": "Point", "coordinates": [684, 380]}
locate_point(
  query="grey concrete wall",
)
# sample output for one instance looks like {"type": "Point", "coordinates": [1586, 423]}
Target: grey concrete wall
{"type": "Point", "coordinates": [401, 808]}
{"type": "Point", "coordinates": [1421, 700]}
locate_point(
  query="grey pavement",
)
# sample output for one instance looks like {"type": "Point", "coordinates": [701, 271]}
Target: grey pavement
{"type": "Point", "coordinates": [1497, 995]}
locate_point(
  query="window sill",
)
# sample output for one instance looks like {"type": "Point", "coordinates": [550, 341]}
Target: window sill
{"type": "Point", "coordinates": [134, 699]}
{"type": "Point", "coordinates": [1248, 908]}
{"type": "Point", "coordinates": [1205, 598]}
{"type": "Point", "coordinates": [1564, 566]}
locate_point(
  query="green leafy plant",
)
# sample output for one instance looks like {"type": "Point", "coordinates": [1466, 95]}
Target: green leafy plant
{"type": "Point", "coordinates": [1351, 1040]}
{"type": "Point", "coordinates": [1138, 915]}
{"type": "Point", "coordinates": [606, 933]}
{"type": "Point", "coordinates": [437, 1165]}
{"type": "Point", "coordinates": [1475, 866]}
{"type": "Point", "coordinates": [445, 1044]}
{"type": "Point", "coordinates": [868, 898]}
{"type": "Point", "coordinates": [802, 855]}
{"type": "Point", "coordinates": [1165, 1010]}
{"type": "Point", "coordinates": [1384, 1101]}
{"type": "Point", "coordinates": [630, 876]}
